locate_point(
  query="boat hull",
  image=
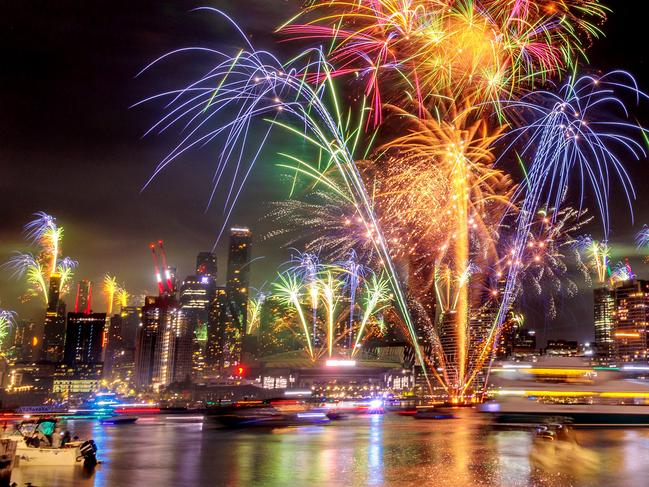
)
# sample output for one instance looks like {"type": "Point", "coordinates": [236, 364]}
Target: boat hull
{"type": "Point", "coordinates": [584, 419]}
{"type": "Point", "coordinates": [48, 457]}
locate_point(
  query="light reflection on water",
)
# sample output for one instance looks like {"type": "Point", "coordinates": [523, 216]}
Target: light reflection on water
{"type": "Point", "coordinates": [367, 450]}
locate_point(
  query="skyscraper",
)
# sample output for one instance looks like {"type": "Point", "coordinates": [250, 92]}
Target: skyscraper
{"type": "Point", "coordinates": [237, 289]}
{"type": "Point", "coordinates": [196, 294]}
{"type": "Point", "coordinates": [147, 338]}
{"type": "Point", "coordinates": [114, 345]}
{"type": "Point", "coordinates": [631, 320]}
{"type": "Point", "coordinates": [218, 322]}
{"type": "Point", "coordinates": [604, 306]}
{"type": "Point", "coordinates": [206, 264]}
{"type": "Point", "coordinates": [54, 327]}
{"type": "Point", "coordinates": [83, 300]}
{"type": "Point", "coordinates": [26, 340]}
{"type": "Point", "coordinates": [163, 352]}
{"type": "Point", "coordinates": [131, 320]}
{"type": "Point", "coordinates": [83, 338]}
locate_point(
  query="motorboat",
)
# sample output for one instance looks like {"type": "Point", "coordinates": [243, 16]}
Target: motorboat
{"type": "Point", "coordinates": [434, 413]}
{"type": "Point", "coordinates": [119, 419]}
{"type": "Point", "coordinates": [566, 390]}
{"type": "Point", "coordinates": [34, 446]}
{"type": "Point", "coordinates": [267, 417]}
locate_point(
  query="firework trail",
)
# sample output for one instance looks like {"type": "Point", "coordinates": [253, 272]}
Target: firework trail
{"type": "Point", "coordinates": [422, 50]}
{"type": "Point", "coordinates": [110, 289]}
{"type": "Point", "coordinates": [642, 241]}
{"type": "Point", "coordinates": [122, 296]}
{"type": "Point", "coordinates": [450, 90]}
{"type": "Point", "coordinates": [264, 87]}
{"type": "Point", "coordinates": [38, 267]}
{"type": "Point", "coordinates": [254, 311]}
{"type": "Point", "coordinates": [596, 255]}
{"type": "Point", "coordinates": [334, 306]}
{"type": "Point", "coordinates": [7, 321]}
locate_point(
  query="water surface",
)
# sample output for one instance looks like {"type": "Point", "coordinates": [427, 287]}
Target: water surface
{"type": "Point", "coordinates": [381, 450]}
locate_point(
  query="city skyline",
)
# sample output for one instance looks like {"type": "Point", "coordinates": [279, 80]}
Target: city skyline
{"type": "Point", "coordinates": [165, 209]}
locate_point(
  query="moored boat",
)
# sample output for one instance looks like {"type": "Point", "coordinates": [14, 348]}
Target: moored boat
{"type": "Point", "coordinates": [36, 446]}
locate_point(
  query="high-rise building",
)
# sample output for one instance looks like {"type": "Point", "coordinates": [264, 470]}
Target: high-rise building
{"type": "Point", "coordinates": [604, 306]}
{"type": "Point", "coordinates": [83, 300]}
{"type": "Point", "coordinates": [83, 338]}
{"type": "Point", "coordinates": [196, 294]}
{"type": "Point", "coordinates": [206, 264]}
{"type": "Point", "coordinates": [631, 320]}
{"type": "Point", "coordinates": [482, 319]}
{"type": "Point", "coordinates": [237, 289]}
{"type": "Point", "coordinates": [26, 340]}
{"type": "Point", "coordinates": [54, 292]}
{"type": "Point", "coordinates": [164, 344]}
{"type": "Point", "coordinates": [54, 326]}
{"type": "Point", "coordinates": [219, 321]}
{"type": "Point", "coordinates": [114, 345]}
{"type": "Point", "coordinates": [131, 320]}
{"type": "Point", "coordinates": [147, 338]}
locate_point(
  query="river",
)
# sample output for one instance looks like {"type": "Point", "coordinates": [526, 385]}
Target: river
{"type": "Point", "coordinates": [381, 450]}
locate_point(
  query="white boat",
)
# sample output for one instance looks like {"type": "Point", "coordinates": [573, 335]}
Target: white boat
{"type": "Point", "coordinates": [30, 451]}
{"type": "Point", "coordinates": [568, 390]}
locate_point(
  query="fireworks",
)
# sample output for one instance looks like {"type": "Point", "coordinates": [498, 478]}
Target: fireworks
{"type": "Point", "coordinates": [414, 171]}
{"type": "Point", "coordinates": [46, 237]}
{"type": "Point", "coordinates": [339, 318]}
{"type": "Point", "coordinates": [428, 49]}
{"type": "Point", "coordinates": [110, 289]}
{"type": "Point", "coordinates": [7, 320]}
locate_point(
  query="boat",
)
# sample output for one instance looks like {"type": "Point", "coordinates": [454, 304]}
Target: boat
{"type": "Point", "coordinates": [267, 417]}
{"type": "Point", "coordinates": [433, 413]}
{"type": "Point", "coordinates": [31, 437]}
{"type": "Point", "coordinates": [566, 390]}
{"type": "Point", "coordinates": [119, 419]}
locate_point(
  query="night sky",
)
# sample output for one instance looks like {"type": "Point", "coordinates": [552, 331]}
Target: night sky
{"type": "Point", "coordinates": [71, 146]}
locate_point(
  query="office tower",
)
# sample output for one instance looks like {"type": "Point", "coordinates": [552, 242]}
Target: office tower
{"type": "Point", "coordinates": [114, 345]}
{"type": "Point", "coordinates": [206, 264]}
{"type": "Point", "coordinates": [83, 338]}
{"type": "Point", "coordinates": [196, 293]}
{"type": "Point", "coordinates": [54, 292]}
{"type": "Point", "coordinates": [482, 319]}
{"type": "Point", "coordinates": [54, 326]}
{"type": "Point", "coordinates": [131, 321]}
{"type": "Point", "coordinates": [219, 321]}
{"type": "Point", "coordinates": [195, 297]}
{"type": "Point", "coordinates": [630, 320]}
{"type": "Point", "coordinates": [448, 336]}
{"type": "Point", "coordinates": [26, 340]}
{"type": "Point", "coordinates": [604, 305]}
{"type": "Point", "coordinates": [164, 344]}
{"type": "Point", "coordinates": [54, 334]}
{"type": "Point", "coordinates": [83, 300]}
{"type": "Point", "coordinates": [237, 291]}
{"type": "Point", "coordinates": [147, 337]}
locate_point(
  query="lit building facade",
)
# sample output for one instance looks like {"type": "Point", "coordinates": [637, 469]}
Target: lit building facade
{"type": "Point", "coordinates": [83, 299]}
{"type": "Point", "coordinates": [83, 338]}
{"type": "Point", "coordinates": [164, 345]}
{"type": "Point", "coordinates": [206, 265]}
{"type": "Point", "coordinates": [237, 284]}
{"type": "Point", "coordinates": [604, 305]}
{"type": "Point", "coordinates": [219, 323]}
{"type": "Point", "coordinates": [630, 320]}
{"type": "Point", "coordinates": [54, 327]}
